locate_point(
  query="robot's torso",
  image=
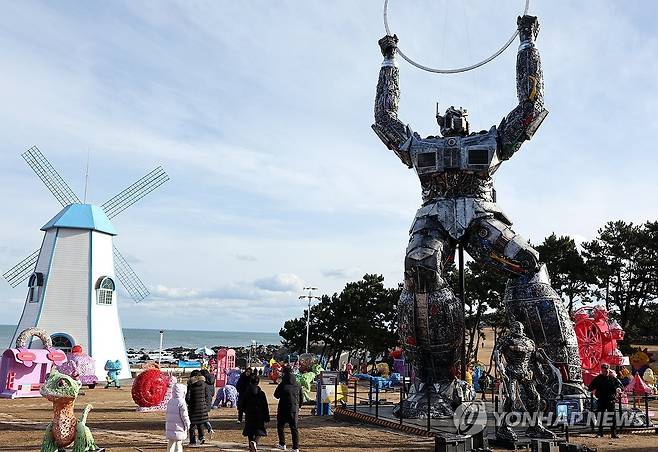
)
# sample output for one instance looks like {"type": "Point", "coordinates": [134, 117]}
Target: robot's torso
{"type": "Point", "coordinates": [517, 350]}
{"type": "Point", "coordinates": [455, 176]}
{"type": "Point", "coordinates": [454, 166]}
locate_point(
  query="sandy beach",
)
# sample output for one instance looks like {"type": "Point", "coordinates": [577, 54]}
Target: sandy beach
{"type": "Point", "coordinates": [118, 427]}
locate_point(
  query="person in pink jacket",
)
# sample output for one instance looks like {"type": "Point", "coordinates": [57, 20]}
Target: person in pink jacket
{"type": "Point", "coordinates": [177, 421]}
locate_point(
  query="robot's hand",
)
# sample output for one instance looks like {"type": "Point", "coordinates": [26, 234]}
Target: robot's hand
{"type": "Point", "coordinates": [528, 27]}
{"type": "Point", "coordinates": [388, 45]}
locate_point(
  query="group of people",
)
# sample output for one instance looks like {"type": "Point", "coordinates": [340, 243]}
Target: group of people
{"type": "Point", "coordinates": [187, 411]}
{"type": "Point", "coordinates": [253, 406]}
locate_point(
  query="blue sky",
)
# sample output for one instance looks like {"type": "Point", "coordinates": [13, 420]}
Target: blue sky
{"type": "Point", "coordinates": [260, 112]}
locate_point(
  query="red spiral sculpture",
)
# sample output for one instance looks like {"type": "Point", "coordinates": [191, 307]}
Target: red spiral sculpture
{"type": "Point", "coordinates": [150, 387]}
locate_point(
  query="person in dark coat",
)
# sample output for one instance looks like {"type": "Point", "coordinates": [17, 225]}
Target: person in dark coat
{"type": "Point", "coordinates": [240, 386]}
{"type": "Point", "coordinates": [289, 393]}
{"type": "Point", "coordinates": [256, 412]}
{"type": "Point", "coordinates": [196, 406]}
{"type": "Point", "coordinates": [210, 393]}
{"type": "Point", "coordinates": [605, 387]}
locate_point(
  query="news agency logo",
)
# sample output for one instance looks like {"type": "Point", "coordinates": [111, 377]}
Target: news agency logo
{"type": "Point", "coordinates": [470, 418]}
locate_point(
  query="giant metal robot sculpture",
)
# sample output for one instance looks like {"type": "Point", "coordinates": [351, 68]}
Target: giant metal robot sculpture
{"type": "Point", "coordinates": [521, 358]}
{"type": "Point", "coordinates": [455, 172]}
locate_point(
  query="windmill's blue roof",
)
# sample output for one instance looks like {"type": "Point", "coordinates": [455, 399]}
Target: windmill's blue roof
{"type": "Point", "coordinates": [81, 216]}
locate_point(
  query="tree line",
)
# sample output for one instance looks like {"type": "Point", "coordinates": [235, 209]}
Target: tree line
{"type": "Point", "coordinates": [619, 269]}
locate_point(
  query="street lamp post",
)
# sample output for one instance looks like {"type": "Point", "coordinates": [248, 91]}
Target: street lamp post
{"type": "Point", "coordinates": [251, 352]}
{"type": "Point", "coordinates": [160, 355]}
{"type": "Point", "coordinates": [310, 298]}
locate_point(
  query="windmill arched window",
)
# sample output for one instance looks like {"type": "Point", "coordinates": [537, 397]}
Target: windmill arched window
{"type": "Point", "coordinates": [62, 341]}
{"type": "Point", "coordinates": [104, 290]}
{"type": "Point", "coordinates": [35, 286]}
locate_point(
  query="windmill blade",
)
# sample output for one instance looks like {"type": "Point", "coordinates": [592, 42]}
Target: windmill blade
{"type": "Point", "coordinates": [128, 277]}
{"type": "Point", "coordinates": [21, 271]}
{"type": "Point", "coordinates": [135, 192]}
{"type": "Point", "coordinates": [50, 177]}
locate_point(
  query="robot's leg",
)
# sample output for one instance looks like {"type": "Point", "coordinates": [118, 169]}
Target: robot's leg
{"type": "Point", "coordinates": [504, 431]}
{"type": "Point", "coordinates": [431, 321]}
{"type": "Point", "coordinates": [529, 297]}
{"type": "Point", "coordinates": [537, 430]}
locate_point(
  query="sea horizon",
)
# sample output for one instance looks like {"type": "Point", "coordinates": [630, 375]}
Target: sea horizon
{"type": "Point", "coordinates": [149, 338]}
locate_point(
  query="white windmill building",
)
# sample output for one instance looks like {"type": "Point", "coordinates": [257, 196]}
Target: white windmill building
{"type": "Point", "coordinates": [71, 279]}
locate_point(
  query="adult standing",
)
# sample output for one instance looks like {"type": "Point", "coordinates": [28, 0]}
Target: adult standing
{"type": "Point", "coordinates": [196, 406]}
{"type": "Point", "coordinates": [606, 387]}
{"type": "Point", "coordinates": [210, 393]}
{"type": "Point", "coordinates": [256, 411]}
{"type": "Point", "coordinates": [289, 393]}
{"type": "Point", "coordinates": [485, 382]}
{"type": "Point", "coordinates": [241, 386]}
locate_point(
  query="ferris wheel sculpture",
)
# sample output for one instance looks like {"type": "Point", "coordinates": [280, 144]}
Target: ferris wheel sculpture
{"type": "Point", "coordinates": [597, 340]}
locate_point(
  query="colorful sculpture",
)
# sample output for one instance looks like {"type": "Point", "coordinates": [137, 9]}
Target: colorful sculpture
{"type": "Point", "coordinates": [113, 368]}
{"type": "Point", "coordinates": [23, 370]}
{"type": "Point", "coordinates": [150, 387]}
{"type": "Point", "coordinates": [275, 372]}
{"type": "Point", "coordinates": [459, 206]}
{"type": "Point", "coordinates": [650, 379]}
{"type": "Point", "coordinates": [80, 366]}
{"type": "Point", "coordinates": [641, 360]}
{"type": "Point", "coordinates": [62, 390]}
{"type": "Point", "coordinates": [226, 396]}
{"type": "Point", "coordinates": [383, 369]}
{"type": "Point", "coordinates": [232, 376]}
{"type": "Point", "coordinates": [225, 359]}
{"type": "Point", "coordinates": [305, 379]}
{"type": "Point", "coordinates": [638, 386]}
{"type": "Point", "coordinates": [306, 361]}
{"type": "Point", "coordinates": [597, 340]}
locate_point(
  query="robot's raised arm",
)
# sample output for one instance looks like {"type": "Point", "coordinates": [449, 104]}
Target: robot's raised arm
{"type": "Point", "coordinates": [522, 122]}
{"type": "Point", "coordinates": [387, 126]}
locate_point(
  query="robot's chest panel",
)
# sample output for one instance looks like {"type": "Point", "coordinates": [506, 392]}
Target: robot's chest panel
{"type": "Point", "coordinates": [475, 154]}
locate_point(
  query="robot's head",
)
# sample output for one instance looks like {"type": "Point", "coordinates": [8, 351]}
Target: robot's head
{"type": "Point", "coordinates": [516, 328]}
{"type": "Point", "coordinates": [453, 123]}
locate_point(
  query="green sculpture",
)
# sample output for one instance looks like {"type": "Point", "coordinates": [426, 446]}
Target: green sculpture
{"type": "Point", "coordinates": [62, 391]}
{"type": "Point", "coordinates": [306, 379]}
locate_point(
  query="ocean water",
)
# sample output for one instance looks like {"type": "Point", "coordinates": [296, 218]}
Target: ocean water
{"type": "Point", "coordinates": [150, 339]}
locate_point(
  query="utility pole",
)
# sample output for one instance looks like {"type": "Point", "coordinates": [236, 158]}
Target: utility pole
{"type": "Point", "coordinates": [310, 297]}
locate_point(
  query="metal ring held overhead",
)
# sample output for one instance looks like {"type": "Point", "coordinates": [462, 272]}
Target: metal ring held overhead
{"type": "Point", "coordinates": [456, 70]}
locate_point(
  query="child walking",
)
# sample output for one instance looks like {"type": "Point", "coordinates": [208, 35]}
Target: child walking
{"type": "Point", "coordinates": [177, 420]}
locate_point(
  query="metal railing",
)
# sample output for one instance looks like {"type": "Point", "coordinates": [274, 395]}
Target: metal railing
{"type": "Point", "coordinates": [370, 399]}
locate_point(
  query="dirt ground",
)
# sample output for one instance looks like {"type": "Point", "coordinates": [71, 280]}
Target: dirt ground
{"type": "Point", "coordinates": [118, 427]}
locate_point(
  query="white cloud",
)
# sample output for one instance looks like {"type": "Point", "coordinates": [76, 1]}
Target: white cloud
{"type": "Point", "coordinates": [282, 282]}
{"type": "Point", "coordinates": [343, 273]}
{"type": "Point", "coordinates": [161, 291]}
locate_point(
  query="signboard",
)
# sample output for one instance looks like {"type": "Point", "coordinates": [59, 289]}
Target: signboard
{"type": "Point", "coordinates": [189, 364]}
{"type": "Point", "coordinates": [329, 378]}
